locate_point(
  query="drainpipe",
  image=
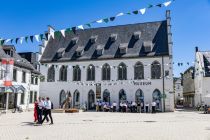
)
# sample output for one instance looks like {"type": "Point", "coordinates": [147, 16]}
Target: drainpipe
{"type": "Point", "coordinates": [163, 76]}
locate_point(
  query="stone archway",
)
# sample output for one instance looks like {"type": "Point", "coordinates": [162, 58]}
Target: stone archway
{"type": "Point", "coordinates": [91, 100]}
{"type": "Point", "coordinates": [156, 97]}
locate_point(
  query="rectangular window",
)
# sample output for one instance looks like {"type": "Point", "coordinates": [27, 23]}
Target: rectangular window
{"type": "Point", "coordinates": [23, 76]}
{"type": "Point", "coordinates": [14, 75]}
{"type": "Point", "coordinates": [31, 97]}
{"type": "Point", "coordinates": [22, 98]}
{"type": "Point", "coordinates": [35, 95]}
{"type": "Point", "coordinates": [36, 80]}
{"type": "Point", "coordinates": [32, 79]}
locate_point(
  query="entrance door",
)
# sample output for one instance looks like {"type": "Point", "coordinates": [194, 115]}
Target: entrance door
{"type": "Point", "coordinates": [106, 96]}
{"type": "Point", "coordinates": [91, 100]}
{"type": "Point", "coordinates": [156, 96]}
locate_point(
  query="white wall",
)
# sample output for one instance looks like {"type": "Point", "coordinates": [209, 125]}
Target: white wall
{"type": "Point", "coordinates": [53, 89]}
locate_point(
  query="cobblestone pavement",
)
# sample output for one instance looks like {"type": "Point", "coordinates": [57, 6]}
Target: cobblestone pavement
{"type": "Point", "coordinates": [179, 125]}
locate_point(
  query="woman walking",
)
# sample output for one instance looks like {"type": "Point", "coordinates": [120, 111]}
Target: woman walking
{"type": "Point", "coordinates": [35, 111]}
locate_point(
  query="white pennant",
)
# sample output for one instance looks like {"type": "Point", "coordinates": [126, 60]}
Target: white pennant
{"type": "Point", "coordinates": [37, 38]}
{"type": "Point", "coordinates": [81, 27]}
{"type": "Point", "coordinates": [120, 14]}
{"type": "Point", "coordinates": [167, 3]}
{"type": "Point", "coordinates": [8, 40]}
{"type": "Point", "coordinates": [63, 32]}
{"type": "Point", "coordinates": [52, 34]}
{"type": "Point", "coordinates": [99, 21]}
{"type": "Point", "coordinates": [21, 40]}
{"type": "Point", "coordinates": [142, 11]}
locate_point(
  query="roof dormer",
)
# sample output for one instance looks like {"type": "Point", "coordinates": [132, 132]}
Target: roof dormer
{"type": "Point", "coordinates": [137, 35]}
{"type": "Point", "coordinates": [100, 49]}
{"type": "Point", "coordinates": [113, 37]}
{"type": "Point", "coordinates": [79, 51]}
{"type": "Point", "coordinates": [74, 40]}
{"type": "Point", "coordinates": [60, 52]}
{"type": "Point", "coordinates": [148, 46]}
{"type": "Point", "coordinates": [123, 48]}
{"type": "Point", "coordinates": [93, 39]}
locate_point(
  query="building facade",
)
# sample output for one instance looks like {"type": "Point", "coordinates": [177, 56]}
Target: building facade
{"type": "Point", "coordinates": [202, 77]}
{"type": "Point", "coordinates": [189, 87]}
{"type": "Point", "coordinates": [119, 63]}
{"type": "Point", "coordinates": [25, 84]}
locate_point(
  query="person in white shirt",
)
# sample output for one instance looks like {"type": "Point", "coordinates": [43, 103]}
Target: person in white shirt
{"type": "Point", "coordinates": [114, 104]}
{"type": "Point", "coordinates": [153, 107]}
{"type": "Point", "coordinates": [40, 109]}
{"type": "Point", "coordinates": [48, 107]}
{"type": "Point", "coordinates": [147, 107]}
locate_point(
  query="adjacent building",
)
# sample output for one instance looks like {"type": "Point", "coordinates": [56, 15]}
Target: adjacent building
{"type": "Point", "coordinates": [189, 87]}
{"type": "Point", "coordinates": [202, 77]}
{"type": "Point", "coordinates": [119, 63]}
{"type": "Point", "coordinates": [25, 84]}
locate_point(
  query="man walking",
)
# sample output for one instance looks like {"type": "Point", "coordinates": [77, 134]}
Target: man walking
{"type": "Point", "coordinates": [40, 109]}
{"type": "Point", "coordinates": [48, 107]}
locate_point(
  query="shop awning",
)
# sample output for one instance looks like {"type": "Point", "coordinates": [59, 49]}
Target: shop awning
{"type": "Point", "coordinates": [12, 89]}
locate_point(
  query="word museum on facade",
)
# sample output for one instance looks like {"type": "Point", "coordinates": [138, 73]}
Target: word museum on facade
{"type": "Point", "coordinates": [119, 63]}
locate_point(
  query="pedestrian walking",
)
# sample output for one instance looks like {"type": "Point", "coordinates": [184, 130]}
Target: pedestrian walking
{"type": "Point", "coordinates": [48, 110]}
{"type": "Point", "coordinates": [36, 111]}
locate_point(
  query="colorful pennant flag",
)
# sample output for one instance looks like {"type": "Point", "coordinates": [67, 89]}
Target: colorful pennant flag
{"type": "Point", "coordinates": [64, 31]}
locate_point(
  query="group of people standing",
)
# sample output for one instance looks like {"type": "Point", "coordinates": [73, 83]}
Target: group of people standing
{"type": "Point", "coordinates": [125, 106]}
{"type": "Point", "coordinates": [43, 107]}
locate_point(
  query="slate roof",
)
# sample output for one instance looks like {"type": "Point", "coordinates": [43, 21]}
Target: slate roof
{"type": "Point", "coordinates": [155, 32]}
{"type": "Point", "coordinates": [18, 60]}
{"type": "Point", "coordinates": [206, 58]}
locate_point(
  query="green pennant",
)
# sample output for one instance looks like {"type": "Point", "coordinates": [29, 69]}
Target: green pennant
{"type": "Point", "coordinates": [32, 38]}
{"type": "Point", "coordinates": [112, 18]}
{"type": "Point", "coordinates": [26, 39]}
{"type": "Point", "coordinates": [16, 40]}
{"type": "Point", "coordinates": [46, 36]}
{"type": "Point", "coordinates": [136, 12]}
{"type": "Point", "coordinates": [106, 20]}
{"type": "Point", "coordinates": [150, 6]}
{"type": "Point", "coordinates": [74, 29]}
{"type": "Point", "coordinates": [159, 5]}
{"type": "Point", "coordinates": [2, 42]}
{"type": "Point", "coordinates": [57, 34]}
{"type": "Point", "coordinates": [88, 24]}
{"type": "Point", "coordinates": [129, 13]}
{"type": "Point", "coordinates": [41, 36]}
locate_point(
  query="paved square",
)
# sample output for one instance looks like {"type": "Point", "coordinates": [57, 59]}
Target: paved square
{"type": "Point", "coordinates": [108, 126]}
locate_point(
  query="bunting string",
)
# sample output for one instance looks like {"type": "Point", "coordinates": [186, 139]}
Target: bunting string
{"type": "Point", "coordinates": [53, 34]}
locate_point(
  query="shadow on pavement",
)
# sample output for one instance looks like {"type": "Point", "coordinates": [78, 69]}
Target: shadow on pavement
{"type": "Point", "coordinates": [27, 123]}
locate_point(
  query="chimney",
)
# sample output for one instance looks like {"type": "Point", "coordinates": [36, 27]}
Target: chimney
{"type": "Point", "coordinates": [196, 49]}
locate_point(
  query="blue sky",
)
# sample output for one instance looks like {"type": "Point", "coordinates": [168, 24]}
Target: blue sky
{"type": "Point", "coordinates": [190, 20]}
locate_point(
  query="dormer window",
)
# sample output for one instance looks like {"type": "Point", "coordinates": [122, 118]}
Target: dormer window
{"type": "Point", "coordinates": [148, 46]}
{"type": "Point", "coordinates": [100, 49]}
{"type": "Point", "coordinates": [137, 35]}
{"type": "Point", "coordinates": [79, 50]}
{"type": "Point", "coordinates": [113, 37]}
{"type": "Point", "coordinates": [60, 52]}
{"type": "Point", "coordinates": [93, 39]}
{"type": "Point", "coordinates": [74, 40]}
{"type": "Point", "coordinates": [123, 48]}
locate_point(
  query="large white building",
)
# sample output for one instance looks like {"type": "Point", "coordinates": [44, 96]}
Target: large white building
{"type": "Point", "coordinates": [120, 63]}
{"type": "Point", "coordinates": [25, 84]}
{"type": "Point", "coordinates": [202, 77]}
